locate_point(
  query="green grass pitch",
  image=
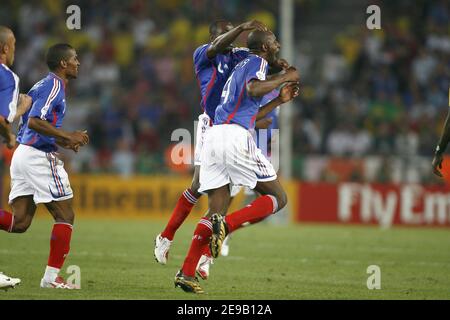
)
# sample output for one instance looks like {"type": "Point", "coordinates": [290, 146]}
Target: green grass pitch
{"type": "Point", "coordinates": [266, 262]}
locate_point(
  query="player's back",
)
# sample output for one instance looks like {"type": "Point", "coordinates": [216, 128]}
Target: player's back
{"type": "Point", "coordinates": [213, 73]}
{"type": "Point", "coordinates": [236, 106]}
{"type": "Point", "coordinates": [9, 92]}
{"type": "Point", "coordinates": [48, 104]}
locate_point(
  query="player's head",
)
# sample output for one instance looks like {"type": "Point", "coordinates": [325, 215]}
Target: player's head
{"type": "Point", "coordinates": [219, 27]}
{"type": "Point", "coordinates": [264, 43]}
{"type": "Point", "coordinates": [7, 46]}
{"type": "Point", "coordinates": [62, 58]}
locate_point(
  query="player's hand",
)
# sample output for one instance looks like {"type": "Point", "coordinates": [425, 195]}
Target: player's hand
{"type": "Point", "coordinates": [282, 63]}
{"type": "Point", "coordinates": [263, 123]}
{"type": "Point", "coordinates": [11, 141]}
{"type": "Point", "coordinates": [437, 164]}
{"type": "Point", "coordinates": [292, 75]}
{"type": "Point", "coordinates": [79, 138]}
{"type": "Point", "coordinates": [25, 102]}
{"type": "Point", "coordinates": [254, 24]}
{"type": "Point", "coordinates": [289, 92]}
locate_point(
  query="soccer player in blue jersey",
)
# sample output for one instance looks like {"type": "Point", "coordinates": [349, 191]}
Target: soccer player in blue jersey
{"type": "Point", "coordinates": [12, 103]}
{"type": "Point", "coordinates": [12, 106]}
{"type": "Point", "coordinates": [213, 63]}
{"type": "Point", "coordinates": [37, 174]}
{"type": "Point", "coordinates": [230, 156]}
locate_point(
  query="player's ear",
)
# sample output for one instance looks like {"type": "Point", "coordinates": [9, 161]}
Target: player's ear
{"type": "Point", "coordinates": [63, 64]}
{"type": "Point", "coordinates": [264, 47]}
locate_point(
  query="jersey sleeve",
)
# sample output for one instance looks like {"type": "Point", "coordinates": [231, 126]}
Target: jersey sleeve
{"type": "Point", "coordinates": [240, 53]}
{"type": "Point", "coordinates": [47, 99]}
{"type": "Point", "coordinates": [9, 95]}
{"type": "Point", "coordinates": [200, 57]}
{"type": "Point", "coordinates": [256, 69]}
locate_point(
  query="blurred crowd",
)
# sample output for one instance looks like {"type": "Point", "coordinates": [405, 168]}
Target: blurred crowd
{"type": "Point", "coordinates": [382, 92]}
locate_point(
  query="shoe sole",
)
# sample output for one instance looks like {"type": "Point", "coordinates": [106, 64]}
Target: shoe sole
{"type": "Point", "coordinates": [187, 288]}
{"type": "Point", "coordinates": [10, 287]}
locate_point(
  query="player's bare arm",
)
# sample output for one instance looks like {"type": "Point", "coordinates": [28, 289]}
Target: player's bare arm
{"type": "Point", "coordinates": [223, 42]}
{"type": "Point", "coordinates": [258, 88]}
{"type": "Point", "coordinates": [69, 140]}
{"type": "Point", "coordinates": [23, 105]}
{"type": "Point", "coordinates": [263, 123]}
{"type": "Point", "coordinates": [287, 93]}
{"type": "Point", "coordinates": [6, 133]}
{"type": "Point", "coordinates": [440, 148]}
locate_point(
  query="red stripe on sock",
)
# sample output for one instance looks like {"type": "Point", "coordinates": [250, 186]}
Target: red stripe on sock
{"type": "Point", "coordinates": [59, 244]}
{"type": "Point", "coordinates": [179, 214]}
{"type": "Point", "coordinates": [256, 211]}
{"type": "Point", "coordinates": [202, 235]}
{"type": "Point", "coordinates": [6, 220]}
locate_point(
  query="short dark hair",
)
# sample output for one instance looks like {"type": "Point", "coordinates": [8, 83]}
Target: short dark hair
{"type": "Point", "coordinates": [215, 25]}
{"type": "Point", "coordinates": [256, 39]}
{"type": "Point", "coordinates": [56, 53]}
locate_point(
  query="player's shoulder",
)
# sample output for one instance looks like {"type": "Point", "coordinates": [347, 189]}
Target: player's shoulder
{"type": "Point", "coordinates": [6, 74]}
{"type": "Point", "coordinates": [201, 49]}
{"type": "Point", "coordinates": [47, 85]}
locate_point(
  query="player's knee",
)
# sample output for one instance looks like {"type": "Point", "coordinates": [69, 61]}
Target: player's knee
{"type": "Point", "coordinates": [281, 200]}
{"type": "Point", "coordinates": [21, 226]}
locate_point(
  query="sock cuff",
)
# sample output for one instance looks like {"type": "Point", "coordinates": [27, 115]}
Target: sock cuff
{"type": "Point", "coordinates": [274, 203]}
{"type": "Point", "coordinates": [64, 224]}
{"type": "Point", "coordinates": [206, 223]}
{"type": "Point", "coordinates": [189, 196]}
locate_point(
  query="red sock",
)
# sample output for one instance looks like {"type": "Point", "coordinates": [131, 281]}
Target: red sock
{"type": "Point", "coordinates": [6, 220]}
{"type": "Point", "coordinates": [256, 211]}
{"type": "Point", "coordinates": [206, 251]}
{"type": "Point", "coordinates": [59, 244]}
{"type": "Point", "coordinates": [201, 237]}
{"type": "Point", "coordinates": [179, 214]}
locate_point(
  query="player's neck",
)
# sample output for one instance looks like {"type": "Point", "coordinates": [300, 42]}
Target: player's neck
{"type": "Point", "coordinates": [3, 60]}
{"type": "Point", "coordinates": [260, 54]}
{"type": "Point", "coordinates": [61, 76]}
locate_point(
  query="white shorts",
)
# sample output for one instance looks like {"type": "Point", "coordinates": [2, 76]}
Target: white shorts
{"type": "Point", "coordinates": [203, 126]}
{"type": "Point", "coordinates": [230, 155]}
{"type": "Point", "coordinates": [40, 174]}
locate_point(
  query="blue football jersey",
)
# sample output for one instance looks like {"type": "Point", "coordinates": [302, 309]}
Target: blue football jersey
{"type": "Point", "coordinates": [236, 106]}
{"type": "Point", "coordinates": [9, 93]}
{"type": "Point", "coordinates": [213, 73]}
{"type": "Point", "coordinates": [49, 104]}
{"type": "Point", "coordinates": [272, 115]}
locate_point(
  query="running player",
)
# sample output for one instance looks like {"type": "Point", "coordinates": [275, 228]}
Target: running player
{"type": "Point", "coordinates": [12, 106]}
{"type": "Point", "coordinates": [230, 156]}
{"type": "Point", "coordinates": [37, 174]}
{"type": "Point", "coordinates": [213, 64]}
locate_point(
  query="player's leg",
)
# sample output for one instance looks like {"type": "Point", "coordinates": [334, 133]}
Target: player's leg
{"type": "Point", "coordinates": [187, 200]}
{"type": "Point", "coordinates": [63, 215]}
{"type": "Point", "coordinates": [249, 168]}
{"type": "Point", "coordinates": [215, 180]}
{"type": "Point", "coordinates": [18, 221]}
{"type": "Point", "coordinates": [182, 209]}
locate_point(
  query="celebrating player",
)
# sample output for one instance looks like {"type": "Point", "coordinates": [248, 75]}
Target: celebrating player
{"type": "Point", "coordinates": [230, 156]}
{"type": "Point", "coordinates": [37, 174]}
{"type": "Point", "coordinates": [213, 64]}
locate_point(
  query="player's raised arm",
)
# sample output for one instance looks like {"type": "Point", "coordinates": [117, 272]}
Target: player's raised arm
{"type": "Point", "coordinates": [440, 148]}
{"type": "Point", "coordinates": [223, 42]}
